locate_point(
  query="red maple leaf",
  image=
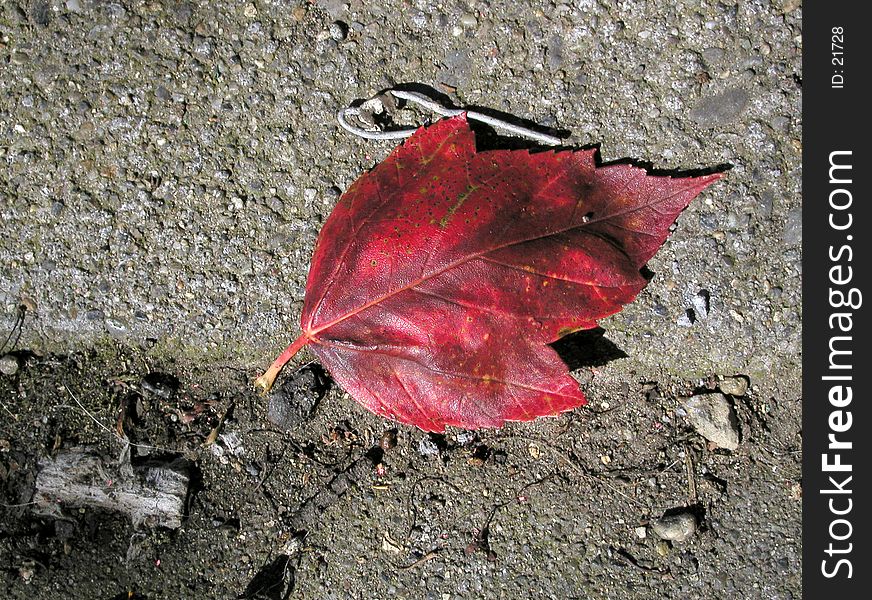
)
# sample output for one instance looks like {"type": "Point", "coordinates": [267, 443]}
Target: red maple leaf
{"type": "Point", "coordinates": [443, 274]}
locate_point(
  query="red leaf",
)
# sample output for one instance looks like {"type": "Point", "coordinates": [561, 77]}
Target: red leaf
{"type": "Point", "coordinates": [443, 274]}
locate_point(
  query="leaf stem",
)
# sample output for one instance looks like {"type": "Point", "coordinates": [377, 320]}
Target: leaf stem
{"type": "Point", "coordinates": [265, 381]}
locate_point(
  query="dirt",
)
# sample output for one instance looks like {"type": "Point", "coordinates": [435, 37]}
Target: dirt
{"type": "Point", "coordinates": [166, 169]}
{"type": "Point", "coordinates": [551, 507]}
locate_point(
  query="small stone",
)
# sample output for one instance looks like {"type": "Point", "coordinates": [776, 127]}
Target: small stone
{"type": "Point", "coordinates": [464, 438]}
{"type": "Point", "coordinates": [390, 545]}
{"type": "Point", "coordinates": [19, 58]}
{"type": "Point", "coordinates": [662, 548]}
{"type": "Point", "coordinates": [702, 303]}
{"type": "Point", "coordinates": [295, 401]}
{"type": "Point", "coordinates": [117, 328]}
{"type": "Point", "coordinates": [468, 20]}
{"type": "Point", "coordinates": [734, 386]}
{"type": "Point", "coordinates": [678, 527]}
{"type": "Point", "coordinates": [720, 109]}
{"type": "Point", "coordinates": [534, 450]}
{"type": "Point", "coordinates": [781, 124]}
{"type": "Point", "coordinates": [713, 55]}
{"type": "Point", "coordinates": [388, 439]}
{"type": "Point", "coordinates": [641, 532]}
{"type": "Point", "coordinates": [687, 318]}
{"type": "Point", "coordinates": [427, 447]}
{"type": "Point", "coordinates": [788, 6]}
{"type": "Point", "coordinates": [8, 364]}
{"type": "Point", "coordinates": [95, 315]}
{"type": "Point", "coordinates": [338, 31]}
{"type": "Point", "coordinates": [712, 416]}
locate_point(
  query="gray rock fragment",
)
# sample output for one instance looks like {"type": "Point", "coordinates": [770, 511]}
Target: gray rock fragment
{"type": "Point", "coordinates": [734, 386]}
{"type": "Point", "coordinates": [427, 447]}
{"type": "Point", "coordinates": [712, 416]}
{"type": "Point", "coordinates": [678, 527]}
{"type": "Point", "coordinates": [8, 364]}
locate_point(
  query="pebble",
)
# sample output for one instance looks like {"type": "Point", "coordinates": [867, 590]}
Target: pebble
{"type": "Point", "coordinates": [295, 401]}
{"type": "Point", "coordinates": [338, 31]}
{"type": "Point", "coordinates": [468, 20]}
{"type": "Point", "coordinates": [702, 303]}
{"type": "Point", "coordinates": [712, 416]}
{"type": "Point", "coordinates": [678, 527]}
{"type": "Point", "coordinates": [8, 364]}
{"type": "Point", "coordinates": [641, 532]}
{"type": "Point", "coordinates": [788, 6]}
{"type": "Point", "coordinates": [427, 447]}
{"type": "Point", "coordinates": [734, 386]}
{"type": "Point", "coordinates": [464, 438]}
{"type": "Point", "coordinates": [713, 55]}
{"type": "Point", "coordinates": [388, 439]}
{"type": "Point", "coordinates": [687, 318]}
{"type": "Point", "coordinates": [115, 327]}
{"type": "Point", "coordinates": [720, 109]}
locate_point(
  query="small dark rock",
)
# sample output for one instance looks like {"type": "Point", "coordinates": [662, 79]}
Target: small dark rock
{"type": "Point", "coordinates": [388, 439]}
{"type": "Point", "coordinates": [64, 529]}
{"type": "Point", "coordinates": [296, 400]}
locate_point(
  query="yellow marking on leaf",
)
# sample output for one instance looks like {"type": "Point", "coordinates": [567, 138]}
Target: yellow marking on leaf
{"type": "Point", "coordinates": [453, 209]}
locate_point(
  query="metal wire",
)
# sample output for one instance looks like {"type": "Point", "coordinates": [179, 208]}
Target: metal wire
{"type": "Point", "coordinates": [437, 108]}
